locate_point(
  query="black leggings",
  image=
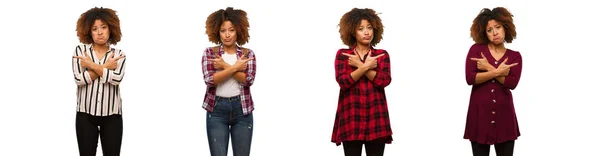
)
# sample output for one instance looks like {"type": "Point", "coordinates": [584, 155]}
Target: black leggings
{"type": "Point", "coordinates": [373, 148]}
{"type": "Point", "coordinates": [110, 129]}
{"type": "Point", "coordinates": [502, 149]}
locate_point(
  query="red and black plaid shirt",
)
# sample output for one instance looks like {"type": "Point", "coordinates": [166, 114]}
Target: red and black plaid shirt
{"type": "Point", "coordinates": [208, 70]}
{"type": "Point", "coordinates": [362, 113]}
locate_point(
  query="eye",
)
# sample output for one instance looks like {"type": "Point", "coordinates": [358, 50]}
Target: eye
{"type": "Point", "coordinates": [223, 30]}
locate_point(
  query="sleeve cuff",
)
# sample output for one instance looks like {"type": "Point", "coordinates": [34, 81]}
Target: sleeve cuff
{"type": "Point", "coordinates": [106, 77]}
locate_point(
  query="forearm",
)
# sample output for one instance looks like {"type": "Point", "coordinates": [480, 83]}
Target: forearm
{"type": "Point", "coordinates": [500, 79]}
{"type": "Point", "coordinates": [371, 74]}
{"type": "Point", "coordinates": [95, 71]}
{"type": "Point", "coordinates": [485, 76]}
{"type": "Point", "coordinates": [223, 75]}
{"type": "Point", "coordinates": [359, 72]}
{"type": "Point", "coordinates": [240, 76]}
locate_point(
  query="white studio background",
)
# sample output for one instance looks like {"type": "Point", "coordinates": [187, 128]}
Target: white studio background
{"type": "Point", "coordinates": [295, 89]}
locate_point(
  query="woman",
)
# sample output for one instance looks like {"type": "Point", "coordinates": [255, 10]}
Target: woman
{"type": "Point", "coordinates": [362, 73]}
{"type": "Point", "coordinates": [492, 70]}
{"type": "Point", "coordinates": [98, 68]}
{"type": "Point", "coordinates": [228, 73]}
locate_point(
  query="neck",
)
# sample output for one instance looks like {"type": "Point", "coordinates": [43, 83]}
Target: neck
{"type": "Point", "coordinates": [362, 48]}
{"type": "Point", "coordinates": [100, 47]}
{"type": "Point", "coordinates": [498, 47]}
{"type": "Point", "coordinates": [229, 49]}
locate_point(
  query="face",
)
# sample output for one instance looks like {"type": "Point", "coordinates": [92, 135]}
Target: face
{"type": "Point", "coordinates": [228, 34]}
{"type": "Point", "coordinates": [364, 33]}
{"type": "Point", "coordinates": [100, 32]}
{"type": "Point", "coordinates": [495, 32]}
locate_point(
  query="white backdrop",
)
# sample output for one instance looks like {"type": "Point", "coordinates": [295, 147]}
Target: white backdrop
{"type": "Point", "coordinates": [295, 89]}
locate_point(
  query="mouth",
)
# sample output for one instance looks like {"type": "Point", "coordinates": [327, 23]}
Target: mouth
{"type": "Point", "coordinates": [367, 38]}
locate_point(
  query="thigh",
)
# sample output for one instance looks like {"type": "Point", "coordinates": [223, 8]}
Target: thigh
{"type": "Point", "coordinates": [111, 134]}
{"type": "Point", "coordinates": [87, 134]}
{"type": "Point", "coordinates": [480, 149]}
{"type": "Point", "coordinates": [505, 148]}
{"type": "Point", "coordinates": [375, 147]}
{"type": "Point", "coordinates": [352, 148]}
{"type": "Point", "coordinates": [241, 135]}
{"type": "Point", "coordinates": [217, 130]}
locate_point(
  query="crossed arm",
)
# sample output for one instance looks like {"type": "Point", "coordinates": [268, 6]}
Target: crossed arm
{"type": "Point", "coordinates": [86, 71]}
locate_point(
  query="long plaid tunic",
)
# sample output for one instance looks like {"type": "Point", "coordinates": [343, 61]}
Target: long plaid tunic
{"type": "Point", "coordinates": [362, 113]}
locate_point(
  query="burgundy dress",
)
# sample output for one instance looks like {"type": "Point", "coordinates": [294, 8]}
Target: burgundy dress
{"type": "Point", "coordinates": [491, 117]}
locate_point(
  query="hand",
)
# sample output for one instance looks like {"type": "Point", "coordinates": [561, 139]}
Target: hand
{"type": "Point", "coordinates": [243, 67]}
{"type": "Point", "coordinates": [354, 59]}
{"type": "Point", "coordinates": [219, 63]}
{"type": "Point", "coordinates": [371, 62]}
{"type": "Point", "coordinates": [503, 69]}
{"type": "Point", "coordinates": [111, 63]}
{"type": "Point", "coordinates": [85, 61]}
{"type": "Point", "coordinates": [241, 63]}
{"type": "Point", "coordinates": [483, 64]}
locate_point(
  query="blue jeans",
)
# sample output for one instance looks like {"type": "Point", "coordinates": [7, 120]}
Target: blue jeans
{"type": "Point", "coordinates": [227, 118]}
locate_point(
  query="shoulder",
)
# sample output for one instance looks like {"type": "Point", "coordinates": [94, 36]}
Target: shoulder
{"type": "Point", "coordinates": [209, 50]}
{"type": "Point", "coordinates": [344, 50]}
{"type": "Point", "coordinates": [248, 50]}
{"type": "Point", "coordinates": [380, 51]}
{"type": "Point", "coordinates": [478, 47]}
{"type": "Point", "coordinates": [513, 54]}
{"type": "Point", "coordinates": [82, 46]}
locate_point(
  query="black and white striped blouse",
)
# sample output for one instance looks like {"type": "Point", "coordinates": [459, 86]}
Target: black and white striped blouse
{"type": "Point", "coordinates": [99, 97]}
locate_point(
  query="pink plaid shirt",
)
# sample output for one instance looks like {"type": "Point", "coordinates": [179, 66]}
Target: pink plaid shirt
{"type": "Point", "coordinates": [208, 69]}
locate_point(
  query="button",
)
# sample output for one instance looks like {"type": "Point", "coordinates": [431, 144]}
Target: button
{"type": "Point", "coordinates": [493, 112]}
{"type": "Point", "coordinates": [493, 81]}
{"type": "Point", "coordinates": [495, 62]}
{"type": "Point", "coordinates": [492, 90]}
{"type": "Point", "coordinates": [493, 122]}
{"type": "Point", "coordinates": [494, 100]}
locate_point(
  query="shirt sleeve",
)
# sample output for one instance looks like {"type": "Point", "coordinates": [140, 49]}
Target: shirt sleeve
{"type": "Point", "coordinates": [343, 71]}
{"type": "Point", "coordinates": [471, 66]}
{"type": "Point", "coordinates": [208, 69]}
{"type": "Point", "coordinates": [250, 70]}
{"type": "Point", "coordinates": [114, 77]}
{"type": "Point", "coordinates": [82, 77]}
{"type": "Point", "coordinates": [512, 80]}
{"type": "Point", "coordinates": [383, 77]}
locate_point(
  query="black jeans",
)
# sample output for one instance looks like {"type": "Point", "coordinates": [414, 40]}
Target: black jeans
{"type": "Point", "coordinates": [502, 149]}
{"type": "Point", "coordinates": [110, 129]}
{"type": "Point", "coordinates": [373, 148]}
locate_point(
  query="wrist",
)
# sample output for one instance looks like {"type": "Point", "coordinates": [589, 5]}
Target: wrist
{"type": "Point", "coordinates": [496, 72]}
{"type": "Point", "coordinates": [363, 68]}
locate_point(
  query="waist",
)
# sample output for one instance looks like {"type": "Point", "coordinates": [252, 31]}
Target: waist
{"type": "Point", "coordinates": [233, 98]}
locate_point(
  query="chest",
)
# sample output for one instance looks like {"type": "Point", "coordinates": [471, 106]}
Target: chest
{"type": "Point", "coordinates": [229, 58]}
